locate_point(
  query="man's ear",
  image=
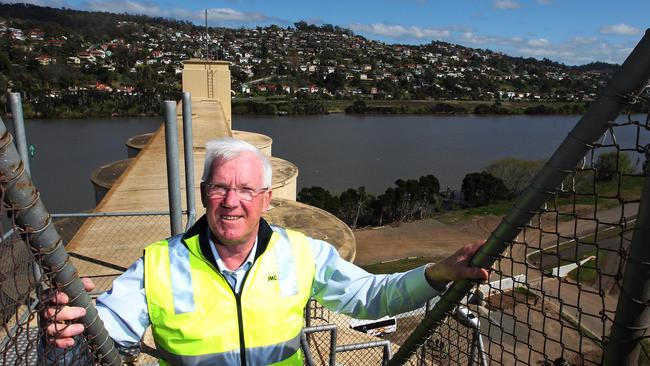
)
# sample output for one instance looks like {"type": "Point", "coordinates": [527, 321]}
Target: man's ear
{"type": "Point", "coordinates": [204, 198]}
{"type": "Point", "coordinates": [267, 199]}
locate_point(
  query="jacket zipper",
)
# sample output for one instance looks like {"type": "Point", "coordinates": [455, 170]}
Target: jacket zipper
{"type": "Point", "coordinates": [240, 320]}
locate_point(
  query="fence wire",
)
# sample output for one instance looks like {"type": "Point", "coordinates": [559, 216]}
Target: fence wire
{"type": "Point", "coordinates": [22, 285]}
{"type": "Point", "coordinates": [552, 295]}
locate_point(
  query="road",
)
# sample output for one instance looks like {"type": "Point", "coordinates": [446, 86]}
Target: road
{"type": "Point", "coordinates": [587, 305]}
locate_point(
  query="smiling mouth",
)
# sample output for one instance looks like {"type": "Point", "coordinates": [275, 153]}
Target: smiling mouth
{"type": "Point", "coordinates": [229, 218]}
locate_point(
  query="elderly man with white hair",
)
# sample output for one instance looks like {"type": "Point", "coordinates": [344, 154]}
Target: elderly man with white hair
{"type": "Point", "coordinates": [232, 289]}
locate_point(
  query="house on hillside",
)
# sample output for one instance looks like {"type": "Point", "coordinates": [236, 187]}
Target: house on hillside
{"type": "Point", "coordinates": [45, 60]}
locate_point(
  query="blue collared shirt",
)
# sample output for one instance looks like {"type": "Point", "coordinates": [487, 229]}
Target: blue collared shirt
{"type": "Point", "coordinates": [235, 278]}
{"type": "Point", "coordinates": [338, 285]}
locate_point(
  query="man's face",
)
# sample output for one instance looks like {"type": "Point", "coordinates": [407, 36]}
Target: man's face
{"type": "Point", "coordinates": [232, 220]}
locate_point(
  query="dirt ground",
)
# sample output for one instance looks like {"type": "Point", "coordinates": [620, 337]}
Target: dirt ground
{"type": "Point", "coordinates": [428, 238]}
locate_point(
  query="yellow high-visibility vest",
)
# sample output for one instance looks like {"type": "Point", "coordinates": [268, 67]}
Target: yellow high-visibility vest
{"type": "Point", "coordinates": [197, 319]}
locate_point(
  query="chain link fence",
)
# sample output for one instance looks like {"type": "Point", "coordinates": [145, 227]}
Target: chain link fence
{"type": "Point", "coordinates": [570, 281]}
{"type": "Point", "coordinates": [560, 260]}
{"type": "Point", "coordinates": [22, 283]}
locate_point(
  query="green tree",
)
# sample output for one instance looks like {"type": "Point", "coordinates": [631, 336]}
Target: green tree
{"type": "Point", "coordinates": [609, 165]}
{"type": "Point", "coordinates": [353, 203]}
{"type": "Point", "coordinates": [516, 174]}
{"type": "Point", "coordinates": [483, 188]}
{"type": "Point", "coordinates": [319, 197]}
{"type": "Point", "coordinates": [359, 106]}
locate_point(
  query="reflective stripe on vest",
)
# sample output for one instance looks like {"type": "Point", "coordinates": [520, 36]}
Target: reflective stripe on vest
{"type": "Point", "coordinates": [193, 311]}
{"type": "Point", "coordinates": [254, 356]}
{"type": "Point", "coordinates": [181, 276]}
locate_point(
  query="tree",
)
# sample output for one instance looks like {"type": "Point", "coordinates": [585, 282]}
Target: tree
{"type": "Point", "coordinates": [319, 197]}
{"type": "Point", "coordinates": [610, 164]}
{"type": "Point", "coordinates": [483, 188]}
{"type": "Point", "coordinates": [515, 173]}
{"type": "Point", "coordinates": [359, 106]}
{"type": "Point", "coordinates": [353, 202]}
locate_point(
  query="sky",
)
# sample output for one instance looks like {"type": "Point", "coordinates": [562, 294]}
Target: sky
{"type": "Point", "coordinates": [573, 32]}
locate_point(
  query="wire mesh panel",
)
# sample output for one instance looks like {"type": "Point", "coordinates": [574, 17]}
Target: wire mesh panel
{"type": "Point", "coordinates": [103, 247]}
{"type": "Point", "coordinates": [22, 283]}
{"type": "Point", "coordinates": [560, 253]}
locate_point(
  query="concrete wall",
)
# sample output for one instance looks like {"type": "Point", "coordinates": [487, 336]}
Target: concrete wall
{"type": "Point", "coordinates": [207, 79]}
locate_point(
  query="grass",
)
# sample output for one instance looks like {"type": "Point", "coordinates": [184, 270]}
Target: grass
{"type": "Point", "coordinates": [525, 291]}
{"type": "Point", "coordinates": [399, 265]}
{"type": "Point", "coordinates": [495, 209]}
{"type": "Point", "coordinates": [630, 189]}
{"type": "Point", "coordinates": [461, 215]}
{"type": "Point", "coordinates": [585, 273]}
{"type": "Point", "coordinates": [582, 330]}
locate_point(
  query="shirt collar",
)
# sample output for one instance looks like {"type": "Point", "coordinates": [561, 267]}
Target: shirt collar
{"type": "Point", "coordinates": [247, 263]}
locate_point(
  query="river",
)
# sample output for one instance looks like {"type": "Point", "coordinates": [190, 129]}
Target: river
{"type": "Point", "coordinates": [335, 151]}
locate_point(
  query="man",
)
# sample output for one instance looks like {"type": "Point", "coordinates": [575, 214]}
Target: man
{"type": "Point", "coordinates": [232, 289]}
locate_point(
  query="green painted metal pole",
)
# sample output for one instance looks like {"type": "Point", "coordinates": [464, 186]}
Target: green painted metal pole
{"type": "Point", "coordinates": [632, 317]}
{"type": "Point", "coordinates": [31, 216]}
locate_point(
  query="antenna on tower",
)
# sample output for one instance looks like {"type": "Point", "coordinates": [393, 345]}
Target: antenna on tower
{"type": "Point", "coordinates": [207, 41]}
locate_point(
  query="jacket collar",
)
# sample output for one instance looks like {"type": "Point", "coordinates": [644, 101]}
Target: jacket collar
{"type": "Point", "coordinates": [200, 228]}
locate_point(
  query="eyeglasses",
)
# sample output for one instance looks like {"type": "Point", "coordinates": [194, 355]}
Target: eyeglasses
{"type": "Point", "coordinates": [218, 191]}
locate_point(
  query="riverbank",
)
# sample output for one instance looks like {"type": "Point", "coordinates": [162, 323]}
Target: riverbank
{"type": "Point", "coordinates": [261, 106]}
{"type": "Point", "coordinates": [286, 105]}
{"type": "Point", "coordinates": [283, 105]}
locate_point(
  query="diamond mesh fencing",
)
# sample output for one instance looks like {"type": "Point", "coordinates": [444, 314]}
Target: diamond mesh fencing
{"type": "Point", "coordinates": [557, 294]}
{"type": "Point", "coordinates": [23, 283]}
{"type": "Point", "coordinates": [561, 257]}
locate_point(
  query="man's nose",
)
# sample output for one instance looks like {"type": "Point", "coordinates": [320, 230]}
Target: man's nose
{"type": "Point", "coordinates": [231, 198]}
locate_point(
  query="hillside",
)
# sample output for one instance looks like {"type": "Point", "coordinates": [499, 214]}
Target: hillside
{"type": "Point", "coordinates": [76, 63]}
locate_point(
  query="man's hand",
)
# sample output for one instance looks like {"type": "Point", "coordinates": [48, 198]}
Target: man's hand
{"type": "Point", "coordinates": [61, 318]}
{"type": "Point", "coordinates": [456, 267]}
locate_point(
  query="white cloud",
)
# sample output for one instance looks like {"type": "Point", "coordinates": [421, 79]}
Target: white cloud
{"type": "Point", "coordinates": [398, 31]}
{"type": "Point", "coordinates": [123, 6]}
{"type": "Point", "coordinates": [230, 15]}
{"type": "Point", "coordinates": [540, 42]}
{"type": "Point", "coordinates": [217, 16]}
{"type": "Point", "coordinates": [579, 50]}
{"type": "Point", "coordinates": [573, 51]}
{"type": "Point", "coordinates": [473, 39]}
{"type": "Point", "coordinates": [583, 40]}
{"type": "Point", "coordinates": [620, 30]}
{"type": "Point", "coordinates": [505, 4]}
{"type": "Point", "coordinates": [50, 3]}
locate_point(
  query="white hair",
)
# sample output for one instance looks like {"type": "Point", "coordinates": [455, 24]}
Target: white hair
{"type": "Point", "coordinates": [228, 148]}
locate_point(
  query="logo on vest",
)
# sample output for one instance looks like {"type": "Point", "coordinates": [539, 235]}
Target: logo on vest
{"type": "Point", "coordinates": [273, 278]}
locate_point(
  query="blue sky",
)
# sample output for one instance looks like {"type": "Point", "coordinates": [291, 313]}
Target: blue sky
{"type": "Point", "coordinates": [570, 31]}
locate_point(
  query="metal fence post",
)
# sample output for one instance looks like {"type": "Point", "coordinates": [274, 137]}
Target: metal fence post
{"type": "Point", "coordinates": [632, 317]}
{"type": "Point", "coordinates": [626, 83]}
{"type": "Point", "coordinates": [39, 231]}
{"type": "Point", "coordinates": [19, 129]}
{"type": "Point", "coordinates": [173, 174]}
{"type": "Point", "coordinates": [189, 158]}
